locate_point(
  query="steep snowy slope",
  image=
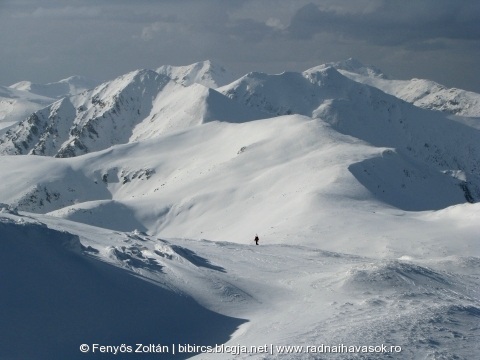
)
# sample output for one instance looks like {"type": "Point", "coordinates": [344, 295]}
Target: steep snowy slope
{"type": "Point", "coordinates": [423, 93]}
{"type": "Point", "coordinates": [138, 105]}
{"type": "Point", "coordinates": [20, 100]}
{"type": "Point", "coordinates": [91, 121]}
{"type": "Point", "coordinates": [178, 108]}
{"type": "Point", "coordinates": [72, 85]}
{"type": "Point", "coordinates": [206, 73]}
{"type": "Point", "coordinates": [16, 105]}
{"type": "Point", "coordinates": [58, 296]}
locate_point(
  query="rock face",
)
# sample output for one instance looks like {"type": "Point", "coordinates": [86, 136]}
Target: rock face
{"type": "Point", "coordinates": [91, 121]}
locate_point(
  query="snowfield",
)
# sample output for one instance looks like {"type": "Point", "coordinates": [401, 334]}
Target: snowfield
{"type": "Point", "coordinates": [128, 214]}
{"type": "Point", "coordinates": [207, 293]}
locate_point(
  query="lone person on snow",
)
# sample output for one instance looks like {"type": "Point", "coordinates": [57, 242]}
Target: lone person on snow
{"type": "Point", "coordinates": [256, 239]}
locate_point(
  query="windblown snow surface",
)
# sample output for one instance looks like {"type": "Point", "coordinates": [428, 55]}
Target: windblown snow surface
{"type": "Point", "coordinates": [137, 224]}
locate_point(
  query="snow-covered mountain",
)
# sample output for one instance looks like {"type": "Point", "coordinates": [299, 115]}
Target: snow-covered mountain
{"type": "Point", "coordinates": [423, 93]}
{"type": "Point", "coordinates": [72, 85]}
{"type": "Point", "coordinates": [138, 105]}
{"type": "Point", "coordinates": [206, 73]}
{"type": "Point", "coordinates": [143, 105]}
{"type": "Point", "coordinates": [351, 65]}
{"type": "Point", "coordinates": [20, 100]}
{"type": "Point", "coordinates": [367, 114]}
{"type": "Point", "coordinates": [366, 207]}
{"type": "Point", "coordinates": [16, 105]}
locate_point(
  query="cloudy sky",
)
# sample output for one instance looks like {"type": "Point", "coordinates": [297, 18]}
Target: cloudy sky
{"type": "Point", "coordinates": [47, 40]}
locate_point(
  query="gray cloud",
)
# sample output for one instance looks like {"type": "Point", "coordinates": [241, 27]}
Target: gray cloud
{"type": "Point", "coordinates": [393, 22]}
{"type": "Point", "coordinates": [46, 40]}
{"type": "Point", "coordinates": [66, 12]}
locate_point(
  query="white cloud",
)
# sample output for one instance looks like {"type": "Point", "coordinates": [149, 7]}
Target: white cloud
{"type": "Point", "coordinates": [275, 24]}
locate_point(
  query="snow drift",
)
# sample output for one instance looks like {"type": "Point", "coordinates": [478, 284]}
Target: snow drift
{"type": "Point", "coordinates": [56, 290]}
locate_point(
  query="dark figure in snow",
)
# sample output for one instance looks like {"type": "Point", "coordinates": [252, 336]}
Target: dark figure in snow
{"type": "Point", "coordinates": [256, 239]}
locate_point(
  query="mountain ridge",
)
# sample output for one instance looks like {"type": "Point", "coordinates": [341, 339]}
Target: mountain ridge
{"type": "Point", "coordinates": [72, 85]}
{"type": "Point", "coordinates": [143, 105]}
{"type": "Point", "coordinates": [135, 106]}
{"type": "Point", "coordinates": [423, 93]}
{"type": "Point", "coordinates": [207, 73]}
{"type": "Point", "coordinates": [365, 113]}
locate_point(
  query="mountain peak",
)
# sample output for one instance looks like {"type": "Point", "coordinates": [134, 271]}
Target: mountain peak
{"type": "Point", "coordinates": [351, 65]}
{"type": "Point", "coordinates": [207, 73]}
{"type": "Point", "coordinates": [422, 93]}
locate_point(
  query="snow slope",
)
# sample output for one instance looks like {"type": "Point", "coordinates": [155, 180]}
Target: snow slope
{"type": "Point", "coordinates": [367, 114]}
{"type": "Point", "coordinates": [223, 180]}
{"type": "Point", "coordinates": [59, 295]}
{"type": "Point", "coordinates": [72, 85]}
{"type": "Point", "coordinates": [16, 105]}
{"type": "Point", "coordinates": [423, 302]}
{"type": "Point", "coordinates": [423, 93]}
{"type": "Point", "coordinates": [20, 100]}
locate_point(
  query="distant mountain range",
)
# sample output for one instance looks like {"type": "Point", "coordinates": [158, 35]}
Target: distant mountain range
{"type": "Point", "coordinates": [417, 158]}
{"type": "Point", "coordinates": [16, 105]}
{"type": "Point", "coordinates": [20, 100]}
{"type": "Point", "coordinates": [72, 85]}
{"type": "Point", "coordinates": [423, 93]}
